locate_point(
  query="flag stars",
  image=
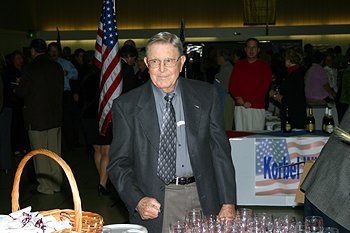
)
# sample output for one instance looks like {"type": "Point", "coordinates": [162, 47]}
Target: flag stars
{"type": "Point", "coordinates": [109, 25]}
{"type": "Point", "coordinates": [275, 148]}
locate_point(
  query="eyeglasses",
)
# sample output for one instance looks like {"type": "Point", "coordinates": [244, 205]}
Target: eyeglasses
{"type": "Point", "coordinates": [168, 62]}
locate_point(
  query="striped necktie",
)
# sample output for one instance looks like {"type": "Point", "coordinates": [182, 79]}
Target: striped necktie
{"type": "Point", "coordinates": [166, 168]}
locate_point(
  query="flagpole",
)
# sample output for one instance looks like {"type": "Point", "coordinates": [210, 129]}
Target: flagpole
{"type": "Point", "coordinates": [58, 39]}
{"type": "Point", "coordinates": [183, 38]}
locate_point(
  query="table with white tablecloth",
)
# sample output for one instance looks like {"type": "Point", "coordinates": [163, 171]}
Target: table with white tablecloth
{"type": "Point", "coordinates": [269, 165]}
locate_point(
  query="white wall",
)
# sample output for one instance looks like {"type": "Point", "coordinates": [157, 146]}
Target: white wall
{"type": "Point", "coordinates": [319, 36]}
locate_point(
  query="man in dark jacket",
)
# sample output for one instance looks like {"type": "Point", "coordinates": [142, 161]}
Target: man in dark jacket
{"type": "Point", "coordinates": [177, 168]}
{"type": "Point", "coordinates": [41, 87]}
{"type": "Point", "coordinates": [128, 55]}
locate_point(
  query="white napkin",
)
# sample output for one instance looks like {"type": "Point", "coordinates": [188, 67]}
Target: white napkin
{"type": "Point", "coordinates": [24, 221]}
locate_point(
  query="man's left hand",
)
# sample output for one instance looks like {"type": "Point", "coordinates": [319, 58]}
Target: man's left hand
{"type": "Point", "coordinates": [228, 211]}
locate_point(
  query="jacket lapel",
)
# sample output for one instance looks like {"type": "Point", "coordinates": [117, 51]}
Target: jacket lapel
{"type": "Point", "coordinates": [147, 116]}
{"type": "Point", "coordinates": [193, 111]}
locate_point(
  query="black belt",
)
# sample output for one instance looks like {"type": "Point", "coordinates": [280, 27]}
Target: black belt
{"type": "Point", "coordinates": [183, 180]}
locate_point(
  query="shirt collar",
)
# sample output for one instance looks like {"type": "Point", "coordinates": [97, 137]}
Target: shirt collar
{"type": "Point", "coordinates": [160, 93]}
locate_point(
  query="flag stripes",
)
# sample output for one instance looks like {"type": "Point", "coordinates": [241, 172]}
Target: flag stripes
{"type": "Point", "coordinates": [107, 58]}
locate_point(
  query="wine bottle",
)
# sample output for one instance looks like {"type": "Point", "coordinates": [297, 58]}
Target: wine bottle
{"type": "Point", "coordinates": [310, 121]}
{"type": "Point", "coordinates": [330, 122]}
{"type": "Point", "coordinates": [325, 120]}
{"type": "Point", "coordinates": [287, 125]}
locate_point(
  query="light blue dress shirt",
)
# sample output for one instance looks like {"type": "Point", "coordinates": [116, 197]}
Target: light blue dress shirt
{"type": "Point", "coordinates": [183, 163]}
{"type": "Point", "coordinates": [72, 73]}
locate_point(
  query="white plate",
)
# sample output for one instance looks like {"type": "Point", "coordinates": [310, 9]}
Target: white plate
{"type": "Point", "coordinates": [126, 228]}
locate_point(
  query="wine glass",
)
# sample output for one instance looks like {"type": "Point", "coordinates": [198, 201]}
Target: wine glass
{"type": "Point", "coordinates": [211, 222]}
{"type": "Point", "coordinates": [245, 213]}
{"type": "Point", "coordinates": [330, 230]}
{"type": "Point", "coordinates": [265, 221]}
{"type": "Point", "coordinates": [194, 217]}
{"type": "Point", "coordinates": [313, 224]}
{"type": "Point", "coordinates": [225, 225]}
{"type": "Point", "coordinates": [297, 227]}
{"type": "Point", "coordinates": [177, 227]}
{"type": "Point", "coordinates": [245, 217]}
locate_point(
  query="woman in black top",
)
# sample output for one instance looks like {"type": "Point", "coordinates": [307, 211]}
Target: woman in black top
{"type": "Point", "coordinates": [291, 93]}
{"type": "Point", "coordinates": [89, 97]}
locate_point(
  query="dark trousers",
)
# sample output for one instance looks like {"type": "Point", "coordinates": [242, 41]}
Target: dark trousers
{"type": "Point", "coordinates": [5, 138]}
{"type": "Point", "coordinates": [71, 121]}
{"type": "Point", "coordinates": [19, 135]}
{"type": "Point", "coordinates": [311, 210]}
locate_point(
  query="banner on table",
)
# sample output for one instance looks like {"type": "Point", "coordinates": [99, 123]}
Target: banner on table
{"type": "Point", "coordinates": [279, 163]}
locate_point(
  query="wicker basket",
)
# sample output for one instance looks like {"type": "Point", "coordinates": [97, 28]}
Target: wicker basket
{"type": "Point", "coordinates": [82, 221]}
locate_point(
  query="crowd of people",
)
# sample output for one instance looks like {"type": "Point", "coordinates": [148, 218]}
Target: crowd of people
{"type": "Point", "coordinates": [173, 153]}
{"type": "Point", "coordinates": [34, 103]}
{"type": "Point", "coordinates": [290, 80]}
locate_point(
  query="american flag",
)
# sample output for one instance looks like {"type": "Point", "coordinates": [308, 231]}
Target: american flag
{"type": "Point", "coordinates": [107, 58]}
{"type": "Point", "coordinates": [273, 173]}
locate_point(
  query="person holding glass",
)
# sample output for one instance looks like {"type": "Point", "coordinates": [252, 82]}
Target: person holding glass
{"type": "Point", "coordinates": [170, 152]}
{"type": "Point", "coordinates": [291, 93]}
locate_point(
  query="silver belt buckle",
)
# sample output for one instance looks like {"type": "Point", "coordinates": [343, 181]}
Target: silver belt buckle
{"type": "Point", "coordinates": [177, 181]}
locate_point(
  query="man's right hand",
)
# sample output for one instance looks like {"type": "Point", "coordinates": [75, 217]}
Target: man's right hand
{"type": "Point", "coordinates": [148, 208]}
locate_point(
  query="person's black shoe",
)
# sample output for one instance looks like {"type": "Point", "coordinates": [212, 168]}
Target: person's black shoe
{"type": "Point", "coordinates": [102, 190]}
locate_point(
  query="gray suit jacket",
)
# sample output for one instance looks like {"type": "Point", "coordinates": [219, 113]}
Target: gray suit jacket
{"type": "Point", "coordinates": [327, 185]}
{"type": "Point", "coordinates": [134, 149]}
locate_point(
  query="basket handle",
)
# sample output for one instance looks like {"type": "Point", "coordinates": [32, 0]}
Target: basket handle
{"type": "Point", "coordinates": [69, 174]}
